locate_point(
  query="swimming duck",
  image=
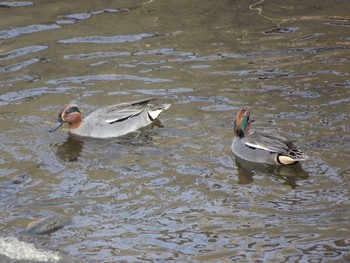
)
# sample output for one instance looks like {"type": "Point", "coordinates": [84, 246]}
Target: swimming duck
{"type": "Point", "coordinates": [262, 147]}
{"type": "Point", "coordinates": [110, 121]}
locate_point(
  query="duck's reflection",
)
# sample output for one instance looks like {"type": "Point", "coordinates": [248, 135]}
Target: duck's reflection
{"type": "Point", "coordinates": [289, 173]}
{"type": "Point", "coordinates": [71, 149]}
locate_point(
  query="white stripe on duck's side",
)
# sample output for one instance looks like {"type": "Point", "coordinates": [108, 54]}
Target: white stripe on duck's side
{"type": "Point", "coordinates": [257, 146]}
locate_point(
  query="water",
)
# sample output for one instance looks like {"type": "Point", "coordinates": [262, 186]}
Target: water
{"type": "Point", "coordinates": [174, 192]}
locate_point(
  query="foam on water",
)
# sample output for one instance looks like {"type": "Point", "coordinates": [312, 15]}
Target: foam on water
{"type": "Point", "coordinates": [14, 249]}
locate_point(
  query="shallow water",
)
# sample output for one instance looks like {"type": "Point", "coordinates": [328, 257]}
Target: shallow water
{"type": "Point", "coordinates": [174, 192]}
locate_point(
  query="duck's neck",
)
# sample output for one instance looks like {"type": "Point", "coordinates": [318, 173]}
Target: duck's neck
{"type": "Point", "coordinates": [242, 130]}
{"type": "Point", "coordinates": [76, 123]}
{"type": "Point", "coordinates": [238, 131]}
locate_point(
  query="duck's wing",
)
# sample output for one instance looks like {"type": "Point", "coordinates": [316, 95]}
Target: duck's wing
{"type": "Point", "coordinates": [121, 112]}
{"type": "Point", "coordinates": [275, 144]}
{"type": "Point", "coordinates": [267, 142]}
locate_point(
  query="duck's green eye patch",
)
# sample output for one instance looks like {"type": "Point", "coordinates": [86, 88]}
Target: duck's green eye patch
{"type": "Point", "coordinates": [244, 123]}
{"type": "Point", "coordinates": [72, 109]}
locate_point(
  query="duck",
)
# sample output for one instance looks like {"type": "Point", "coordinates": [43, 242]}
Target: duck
{"type": "Point", "coordinates": [109, 121]}
{"type": "Point", "coordinates": [261, 147]}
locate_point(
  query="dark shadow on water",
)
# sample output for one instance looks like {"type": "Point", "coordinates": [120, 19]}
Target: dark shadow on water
{"type": "Point", "coordinates": [289, 173]}
{"type": "Point", "coordinates": [71, 149]}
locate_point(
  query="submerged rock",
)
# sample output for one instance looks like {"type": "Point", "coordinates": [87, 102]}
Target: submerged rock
{"type": "Point", "coordinates": [47, 225]}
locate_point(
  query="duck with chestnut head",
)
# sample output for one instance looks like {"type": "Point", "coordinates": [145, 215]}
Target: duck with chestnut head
{"type": "Point", "coordinates": [111, 121]}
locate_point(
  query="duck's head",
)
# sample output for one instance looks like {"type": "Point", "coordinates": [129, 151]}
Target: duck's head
{"type": "Point", "coordinates": [70, 114]}
{"type": "Point", "coordinates": [242, 123]}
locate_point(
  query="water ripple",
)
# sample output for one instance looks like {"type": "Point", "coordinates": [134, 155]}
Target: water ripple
{"type": "Point", "coordinates": [18, 31]}
{"type": "Point", "coordinates": [80, 16]}
{"type": "Point", "coordinates": [15, 4]}
{"type": "Point", "coordinates": [96, 55]}
{"type": "Point", "coordinates": [30, 93]}
{"type": "Point", "coordinates": [9, 82]}
{"type": "Point", "coordinates": [106, 40]}
{"type": "Point", "coordinates": [19, 66]}
{"type": "Point", "coordinates": [164, 51]}
{"type": "Point", "coordinates": [21, 52]}
{"type": "Point", "coordinates": [87, 15]}
{"type": "Point", "coordinates": [277, 52]}
{"type": "Point", "coordinates": [308, 37]}
{"type": "Point", "coordinates": [162, 92]}
{"type": "Point", "coordinates": [281, 30]}
{"type": "Point", "coordinates": [341, 24]}
{"type": "Point", "coordinates": [104, 77]}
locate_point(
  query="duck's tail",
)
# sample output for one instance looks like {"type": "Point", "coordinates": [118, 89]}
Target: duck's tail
{"type": "Point", "coordinates": [294, 155]}
{"type": "Point", "coordinates": [155, 110]}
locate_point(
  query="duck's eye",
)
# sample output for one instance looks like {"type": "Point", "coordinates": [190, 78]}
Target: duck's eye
{"type": "Point", "coordinates": [72, 109]}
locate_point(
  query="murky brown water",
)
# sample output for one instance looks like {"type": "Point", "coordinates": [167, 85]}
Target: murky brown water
{"type": "Point", "coordinates": [174, 192]}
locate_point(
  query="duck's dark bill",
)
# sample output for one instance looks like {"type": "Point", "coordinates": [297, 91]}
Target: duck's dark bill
{"type": "Point", "coordinates": [58, 124]}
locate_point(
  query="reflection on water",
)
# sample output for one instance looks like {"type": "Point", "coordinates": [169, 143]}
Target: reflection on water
{"type": "Point", "coordinates": [175, 193]}
{"type": "Point", "coordinates": [70, 150]}
{"type": "Point", "coordinates": [288, 173]}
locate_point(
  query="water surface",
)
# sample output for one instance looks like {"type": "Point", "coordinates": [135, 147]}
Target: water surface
{"type": "Point", "coordinates": [174, 192]}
